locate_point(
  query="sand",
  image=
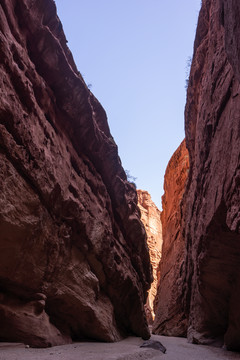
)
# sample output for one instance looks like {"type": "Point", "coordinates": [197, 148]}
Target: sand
{"type": "Point", "coordinates": [128, 349]}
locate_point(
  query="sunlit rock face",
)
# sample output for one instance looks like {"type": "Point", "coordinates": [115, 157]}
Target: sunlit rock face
{"type": "Point", "coordinates": [212, 200]}
{"type": "Point", "coordinates": [74, 261]}
{"type": "Point", "coordinates": [170, 317]}
{"type": "Point", "coordinates": [151, 218]}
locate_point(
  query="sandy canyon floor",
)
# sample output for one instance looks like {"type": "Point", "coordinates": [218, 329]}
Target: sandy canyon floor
{"type": "Point", "coordinates": [128, 349]}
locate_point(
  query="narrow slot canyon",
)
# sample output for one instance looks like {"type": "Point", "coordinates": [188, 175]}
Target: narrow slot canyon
{"type": "Point", "coordinates": [89, 266]}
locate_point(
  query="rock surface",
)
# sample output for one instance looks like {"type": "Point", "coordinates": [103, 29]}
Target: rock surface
{"type": "Point", "coordinates": [73, 256]}
{"type": "Point", "coordinates": [212, 212]}
{"type": "Point", "coordinates": [154, 344]}
{"type": "Point", "coordinates": [211, 204]}
{"type": "Point", "coordinates": [151, 218]}
{"type": "Point", "coordinates": [170, 317]}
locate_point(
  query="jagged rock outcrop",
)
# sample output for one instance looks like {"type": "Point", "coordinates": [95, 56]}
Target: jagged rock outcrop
{"type": "Point", "coordinates": [211, 204]}
{"type": "Point", "coordinates": [151, 218]}
{"type": "Point", "coordinates": [73, 256]}
{"type": "Point", "coordinates": [170, 317]}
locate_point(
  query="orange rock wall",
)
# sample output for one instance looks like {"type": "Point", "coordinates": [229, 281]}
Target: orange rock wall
{"type": "Point", "coordinates": [170, 318]}
{"type": "Point", "coordinates": [150, 216]}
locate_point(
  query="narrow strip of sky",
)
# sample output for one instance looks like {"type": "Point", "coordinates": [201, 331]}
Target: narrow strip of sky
{"type": "Point", "coordinates": [134, 54]}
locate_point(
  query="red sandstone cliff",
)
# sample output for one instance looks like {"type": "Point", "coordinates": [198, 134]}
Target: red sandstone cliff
{"type": "Point", "coordinates": [212, 216]}
{"type": "Point", "coordinates": [73, 257]}
{"type": "Point", "coordinates": [210, 208]}
{"type": "Point", "coordinates": [170, 318]}
{"type": "Point", "coordinates": [150, 216]}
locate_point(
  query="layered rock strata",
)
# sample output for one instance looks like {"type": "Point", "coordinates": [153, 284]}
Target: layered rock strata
{"type": "Point", "coordinates": [73, 256]}
{"type": "Point", "coordinates": [210, 211]}
{"type": "Point", "coordinates": [151, 218]}
{"type": "Point", "coordinates": [170, 317]}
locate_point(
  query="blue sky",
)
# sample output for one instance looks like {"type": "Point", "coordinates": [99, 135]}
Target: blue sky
{"type": "Point", "coordinates": [134, 54]}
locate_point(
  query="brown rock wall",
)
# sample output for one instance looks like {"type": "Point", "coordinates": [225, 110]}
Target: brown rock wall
{"type": "Point", "coordinates": [70, 228]}
{"type": "Point", "coordinates": [212, 200]}
{"type": "Point", "coordinates": [170, 317]}
{"type": "Point", "coordinates": [151, 218]}
{"type": "Point", "coordinates": [210, 217]}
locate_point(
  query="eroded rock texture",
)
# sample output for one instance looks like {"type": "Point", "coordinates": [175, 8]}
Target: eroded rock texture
{"type": "Point", "coordinates": [151, 218]}
{"type": "Point", "coordinates": [212, 200]}
{"type": "Point", "coordinates": [73, 257]}
{"type": "Point", "coordinates": [170, 317]}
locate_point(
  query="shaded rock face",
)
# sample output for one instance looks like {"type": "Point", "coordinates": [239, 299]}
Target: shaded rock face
{"type": "Point", "coordinates": [151, 218]}
{"type": "Point", "coordinates": [170, 317]}
{"type": "Point", "coordinates": [73, 256]}
{"type": "Point", "coordinates": [212, 200]}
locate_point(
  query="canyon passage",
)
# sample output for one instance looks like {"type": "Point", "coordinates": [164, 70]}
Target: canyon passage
{"type": "Point", "coordinates": [74, 252]}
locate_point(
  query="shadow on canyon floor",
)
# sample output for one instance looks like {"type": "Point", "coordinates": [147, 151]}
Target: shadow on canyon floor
{"type": "Point", "coordinates": [128, 349]}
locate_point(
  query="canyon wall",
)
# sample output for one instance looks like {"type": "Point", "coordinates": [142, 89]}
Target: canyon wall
{"type": "Point", "coordinates": [74, 261]}
{"type": "Point", "coordinates": [212, 201]}
{"type": "Point", "coordinates": [210, 226]}
{"type": "Point", "coordinates": [150, 216]}
{"type": "Point", "coordinates": [170, 317]}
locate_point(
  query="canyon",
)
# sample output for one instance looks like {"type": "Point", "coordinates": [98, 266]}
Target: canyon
{"type": "Point", "coordinates": [74, 262]}
{"type": "Point", "coordinates": [83, 255]}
